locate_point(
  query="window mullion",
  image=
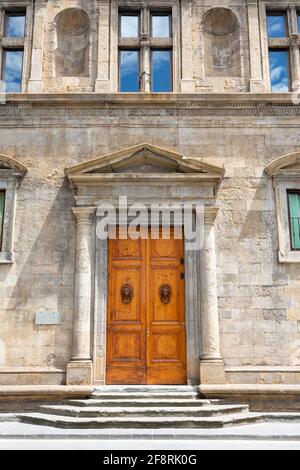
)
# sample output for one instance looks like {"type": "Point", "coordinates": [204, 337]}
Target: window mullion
{"type": "Point", "coordinates": [145, 65]}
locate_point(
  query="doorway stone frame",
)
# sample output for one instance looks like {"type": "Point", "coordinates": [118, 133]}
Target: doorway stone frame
{"type": "Point", "coordinates": [173, 178]}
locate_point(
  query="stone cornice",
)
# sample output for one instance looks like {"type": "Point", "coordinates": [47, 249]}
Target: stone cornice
{"type": "Point", "coordinates": [141, 100]}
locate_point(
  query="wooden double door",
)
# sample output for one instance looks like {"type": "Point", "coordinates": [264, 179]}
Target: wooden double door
{"type": "Point", "coordinates": [146, 334]}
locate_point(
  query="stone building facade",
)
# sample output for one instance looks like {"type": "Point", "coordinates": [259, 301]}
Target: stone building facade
{"type": "Point", "coordinates": [225, 135]}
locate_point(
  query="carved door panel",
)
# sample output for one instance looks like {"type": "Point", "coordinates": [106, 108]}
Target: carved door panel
{"type": "Point", "coordinates": [146, 313]}
{"type": "Point", "coordinates": [166, 348]}
{"type": "Point", "coordinates": [126, 330]}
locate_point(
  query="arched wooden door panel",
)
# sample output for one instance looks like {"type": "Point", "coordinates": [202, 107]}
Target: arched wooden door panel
{"type": "Point", "coordinates": [146, 340]}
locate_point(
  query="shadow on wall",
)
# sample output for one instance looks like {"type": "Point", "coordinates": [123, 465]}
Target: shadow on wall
{"type": "Point", "coordinates": [254, 286]}
{"type": "Point", "coordinates": [45, 251]}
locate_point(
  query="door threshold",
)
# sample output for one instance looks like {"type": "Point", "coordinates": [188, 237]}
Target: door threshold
{"type": "Point", "coordinates": [150, 388]}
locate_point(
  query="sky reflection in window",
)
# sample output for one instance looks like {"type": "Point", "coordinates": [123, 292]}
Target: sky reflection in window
{"type": "Point", "coordinates": [276, 25]}
{"type": "Point", "coordinates": [129, 71]}
{"type": "Point", "coordinates": [279, 70]}
{"type": "Point", "coordinates": [160, 26]}
{"type": "Point", "coordinates": [161, 71]}
{"type": "Point", "coordinates": [12, 71]}
{"type": "Point", "coordinates": [129, 26]}
{"type": "Point", "coordinates": [15, 26]}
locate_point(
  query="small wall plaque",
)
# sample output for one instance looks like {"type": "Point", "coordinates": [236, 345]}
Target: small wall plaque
{"type": "Point", "coordinates": [47, 318]}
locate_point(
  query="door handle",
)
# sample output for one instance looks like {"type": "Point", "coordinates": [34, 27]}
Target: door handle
{"type": "Point", "coordinates": [126, 293]}
{"type": "Point", "coordinates": [165, 293]}
{"type": "Point", "coordinates": [148, 332]}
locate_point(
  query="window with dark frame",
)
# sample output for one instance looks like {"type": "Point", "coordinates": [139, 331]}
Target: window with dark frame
{"type": "Point", "coordinates": [284, 48]}
{"type": "Point", "coordinates": [12, 52]}
{"type": "Point", "coordinates": [2, 207]}
{"type": "Point", "coordinates": [294, 218]}
{"type": "Point", "coordinates": [145, 51]}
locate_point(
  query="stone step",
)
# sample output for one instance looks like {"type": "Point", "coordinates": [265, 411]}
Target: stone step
{"type": "Point", "coordinates": [142, 402]}
{"type": "Point", "coordinates": [140, 422]}
{"type": "Point", "coordinates": [176, 389]}
{"type": "Point", "coordinates": [106, 412]}
{"type": "Point", "coordinates": [144, 395]}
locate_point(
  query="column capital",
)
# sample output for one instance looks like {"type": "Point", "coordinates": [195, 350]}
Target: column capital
{"type": "Point", "coordinates": [210, 215]}
{"type": "Point", "coordinates": [84, 214]}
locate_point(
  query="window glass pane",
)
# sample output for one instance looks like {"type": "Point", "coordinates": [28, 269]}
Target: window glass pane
{"type": "Point", "coordinates": [298, 22]}
{"type": "Point", "coordinates": [15, 26]}
{"type": "Point", "coordinates": [294, 205]}
{"type": "Point", "coordinates": [129, 26]}
{"type": "Point", "coordinates": [161, 26]}
{"type": "Point", "coordinates": [279, 70]}
{"type": "Point", "coordinates": [12, 71]}
{"type": "Point", "coordinates": [129, 71]}
{"type": "Point", "coordinates": [2, 197]}
{"type": "Point", "coordinates": [277, 26]}
{"type": "Point", "coordinates": [161, 71]}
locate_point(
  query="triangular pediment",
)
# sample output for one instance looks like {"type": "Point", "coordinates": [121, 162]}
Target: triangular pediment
{"type": "Point", "coordinates": [286, 165]}
{"type": "Point", "coordinates": [144, 159]}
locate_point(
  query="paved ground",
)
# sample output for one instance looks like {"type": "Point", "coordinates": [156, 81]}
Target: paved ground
{"type": "Point", "coordinates": [14, 435]}
{"type": "Point", "coordinates": [147, 445]}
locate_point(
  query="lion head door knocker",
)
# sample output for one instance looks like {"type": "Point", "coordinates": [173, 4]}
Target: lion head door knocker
{"type": "Point", "coordinates": [165, 293]}
{"type": "Point", "coordinates": [126, 293]}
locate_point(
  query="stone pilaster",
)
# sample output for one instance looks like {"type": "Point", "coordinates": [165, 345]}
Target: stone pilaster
{"type": "Point", "coordinates": [211, 364]}
{"type": "Point", "coordinates": [35, 84]}
{"type": "Point", "coordinates": [187, 81]}
{"type": "Point", "coordinates": [79, 371]}
{"type": "Point", "coordinates": [295, 46]}
{"type": "Point", "coordinates": [256, 73]}
{"type": "Point", "coordinates": [103, 82]}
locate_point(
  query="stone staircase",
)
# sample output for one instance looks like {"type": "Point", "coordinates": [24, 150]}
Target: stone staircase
{"type": "Point", "coordinates": [137, 407]}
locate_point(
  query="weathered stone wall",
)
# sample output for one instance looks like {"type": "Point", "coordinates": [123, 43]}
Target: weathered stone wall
{"type": "Point", "coordinates": [259, 301]}
{"type": "Point", "coordinates": [189, 32]}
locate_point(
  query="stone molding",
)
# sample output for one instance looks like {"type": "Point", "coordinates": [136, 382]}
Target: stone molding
{"type": "Point", "coordinates": [142, 100]}
{"type": "Point", "coordinates": [279, 166]}
{"type": "Point", "coordinates": [285, 172]}
{"type": "Point", "coordinates": [224, 390]}
{"type": "Point", "coordinates": [182, 163]}
{"type": "Point", "coordinates": [11, 171]}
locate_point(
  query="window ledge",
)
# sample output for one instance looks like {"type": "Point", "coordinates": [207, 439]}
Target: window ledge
{"type": "Point", "coordinates": [289, 257]}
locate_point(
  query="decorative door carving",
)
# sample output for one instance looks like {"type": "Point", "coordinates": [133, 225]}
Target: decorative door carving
{"type": "Point", "coordinates": [146, 340]}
